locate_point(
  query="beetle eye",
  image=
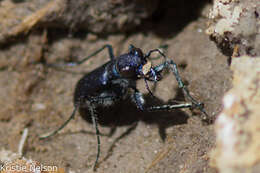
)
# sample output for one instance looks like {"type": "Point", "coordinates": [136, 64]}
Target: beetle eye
{"type": "Point", "coordinates": [138, 53]}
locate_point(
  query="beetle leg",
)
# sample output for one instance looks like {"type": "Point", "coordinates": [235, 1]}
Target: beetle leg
{"type": "Point", "coordinates": [62, 126]}
{"type": "Point", "coordinates": [138, 99]}
{"type": "Point", "coordinates": [95, 124]}
{"type": "Point", "coordinates": [110, 51]}
{"type": "Point", "coordinates": [72, 64]}
{"type": "Point", "coordinates": [173, 67]}
{"type": "Point", "coordinates": [169, 107]}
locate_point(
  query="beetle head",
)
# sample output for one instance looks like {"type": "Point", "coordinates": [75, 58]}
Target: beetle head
{"type": "Point", "coordinates": [129, 64]}
{"type": "Point", "coordinates": [135, 64]}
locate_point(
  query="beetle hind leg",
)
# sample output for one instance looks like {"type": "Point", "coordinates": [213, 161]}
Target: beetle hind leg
{"type": "Point", "coordinates": [62, 126]}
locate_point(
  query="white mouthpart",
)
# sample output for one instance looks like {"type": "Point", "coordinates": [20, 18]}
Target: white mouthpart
{"type": "Point", "coordinates": [146, 68]}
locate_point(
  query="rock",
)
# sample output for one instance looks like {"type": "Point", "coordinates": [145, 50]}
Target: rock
{"type": "Point", "coordinates": [237, 126]}
{"type": "Point", "coordinates": [234, 27]}
{"type": "Point", "coordinates": [96, 16]}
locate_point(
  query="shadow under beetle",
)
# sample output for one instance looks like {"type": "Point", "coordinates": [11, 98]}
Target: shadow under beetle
{"type": "Point", "coordinates": [112, 81]}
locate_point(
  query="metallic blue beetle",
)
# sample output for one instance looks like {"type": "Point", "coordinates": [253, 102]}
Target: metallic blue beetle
{"type": "Point", "coordinates": [111, 82]}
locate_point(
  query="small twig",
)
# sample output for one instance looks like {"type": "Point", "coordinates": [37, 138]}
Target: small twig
{"type": "Point", "coordinates": [22, 141]}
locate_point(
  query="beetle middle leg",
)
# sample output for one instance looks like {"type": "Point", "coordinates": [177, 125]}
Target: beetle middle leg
{"type": "Point", "coordinates": [95, 124]}
{"type": "Point", "coordinates": [139, 101]}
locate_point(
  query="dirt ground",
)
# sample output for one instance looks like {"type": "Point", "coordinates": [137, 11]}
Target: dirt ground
{"type": "Point", "coordinates": [40, 98]}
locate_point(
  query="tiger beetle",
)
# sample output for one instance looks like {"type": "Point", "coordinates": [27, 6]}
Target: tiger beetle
{"type": "Point", "coordinates": [111, 82]}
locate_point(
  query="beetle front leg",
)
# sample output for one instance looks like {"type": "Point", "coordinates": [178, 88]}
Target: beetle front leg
{"type": "Point", "coordinates": [170, 64]}
{"type": "Point", "coordinates": [138, 99]}
{"type": "Point", "coordinates": [169, 107]}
